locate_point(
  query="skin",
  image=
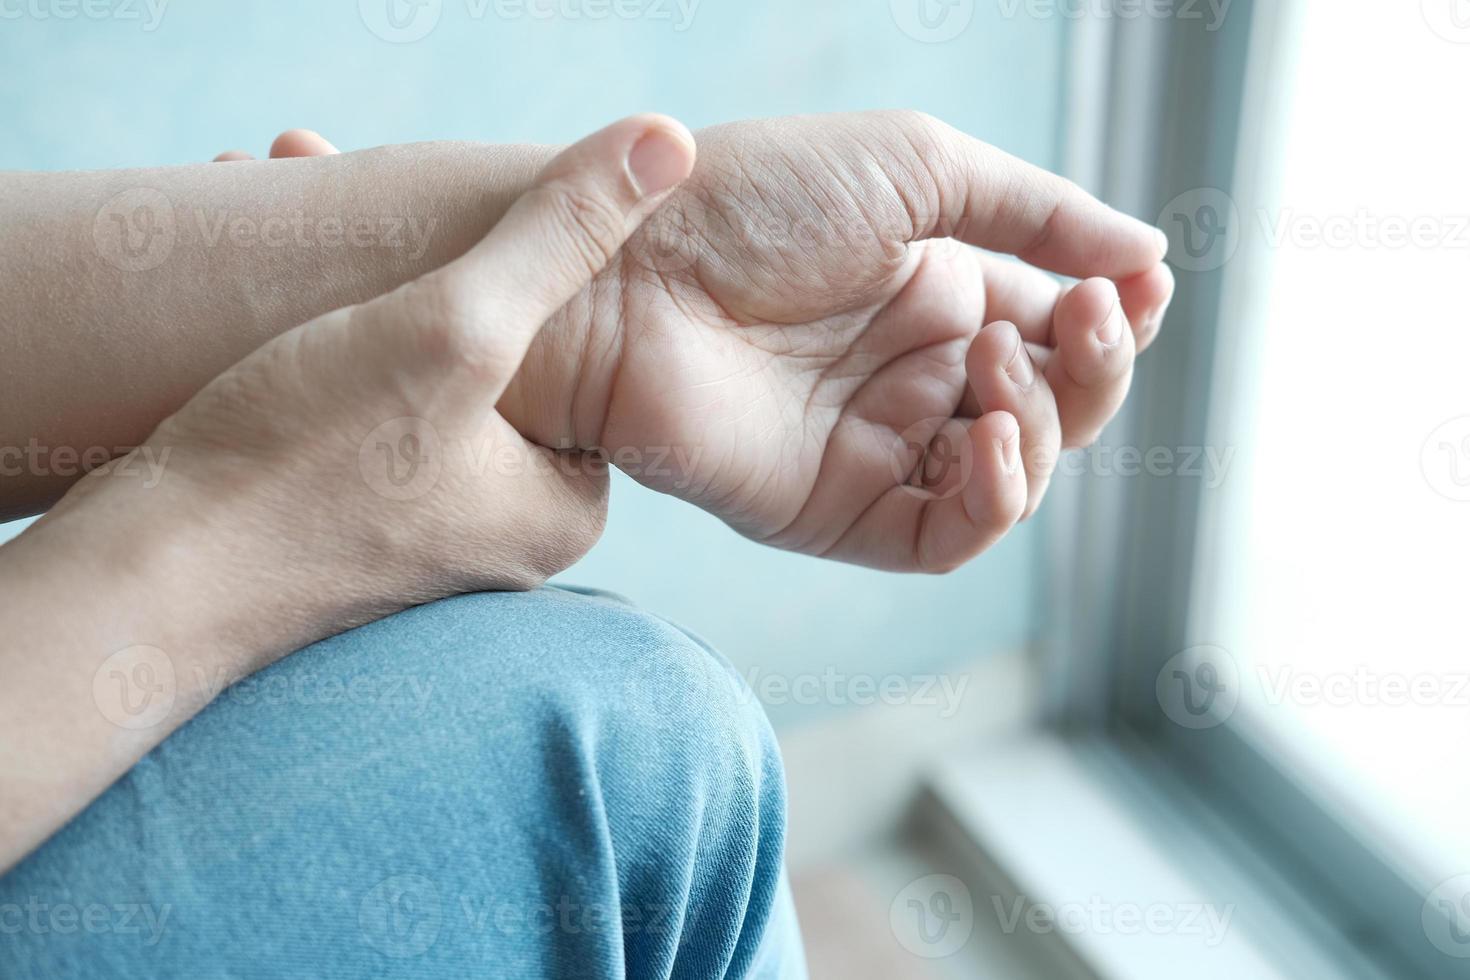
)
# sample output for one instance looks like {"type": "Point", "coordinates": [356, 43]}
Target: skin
{"type": "Point", "coordinates": [94, 354]}
{"type": "Point", "coordinates": [270, 532]}
{"type": "Point", "coordinates": [799, 321]}
{"type": "Point", "coordinates": [814, 270]}
{"type": "Point", "coordinates": [807, 310]}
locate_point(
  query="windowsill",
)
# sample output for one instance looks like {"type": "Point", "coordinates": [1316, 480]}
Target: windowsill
{"type": "Point", "coordinates": [1139, 881]}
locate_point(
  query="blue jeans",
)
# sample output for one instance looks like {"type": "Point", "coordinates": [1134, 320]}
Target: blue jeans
{"type": "Point", "coordinates": [542, 785]}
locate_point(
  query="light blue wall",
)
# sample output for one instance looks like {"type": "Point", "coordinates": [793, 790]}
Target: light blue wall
{"type": "Point", "coordinates": [101, 90]}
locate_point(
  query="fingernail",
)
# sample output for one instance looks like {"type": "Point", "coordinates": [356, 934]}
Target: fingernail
{"type": "Point", "coordinates": [1019, 368]}
{"type": "Point", "coordinates": [1010, 452]}
{"type": "Point", "coordinates": [1110, 331]}
{"type": "Point", "coordinates": [1162, 240]}
{"type": "Point", "coordinates": [659, 160]}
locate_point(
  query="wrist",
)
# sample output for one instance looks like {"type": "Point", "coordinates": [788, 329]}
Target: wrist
{"type": "Point", "coordinates": [152, 556]}
{"type": "Point", "coordinates": [559, 397]}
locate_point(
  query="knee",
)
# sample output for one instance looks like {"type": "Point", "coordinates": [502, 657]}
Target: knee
{"type": "Point", "coordinates": [549, 747]}
{"type": "Point", "coordinates": [641, 746]}
{"type": "Point", "coordinates": [583, 678]}
{"type": "Point", "coordinates": [603, 684]}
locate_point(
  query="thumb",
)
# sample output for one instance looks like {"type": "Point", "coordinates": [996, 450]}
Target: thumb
{"type": "Point", "coordinates": [562, 232]}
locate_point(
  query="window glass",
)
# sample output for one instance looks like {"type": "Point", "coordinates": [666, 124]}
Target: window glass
{"type": "Point", "coordinates": [1346, 616]}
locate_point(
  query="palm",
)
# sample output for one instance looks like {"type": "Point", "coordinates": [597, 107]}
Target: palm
{"type": "Point", "coordinates": [796, 327]}
{"type": "Point", "coordinates": [771, 337]}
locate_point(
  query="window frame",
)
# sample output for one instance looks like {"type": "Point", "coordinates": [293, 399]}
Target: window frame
{"type": "Point", "coordinates": [1187, 108]}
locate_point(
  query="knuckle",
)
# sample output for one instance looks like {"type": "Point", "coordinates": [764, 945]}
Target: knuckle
{"type": "Point", "coordinates": [587, 225]}
{"type": "Point", "coordinates": [919, 125]}
{"type": "Point", "coordinates": [451, 321]}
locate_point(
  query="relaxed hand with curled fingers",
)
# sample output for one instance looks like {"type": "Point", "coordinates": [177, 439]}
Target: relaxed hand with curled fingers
{"type": "Point", "coordinates": [814, 302]}
{"type": "Point", "coordinates": [819, 326]}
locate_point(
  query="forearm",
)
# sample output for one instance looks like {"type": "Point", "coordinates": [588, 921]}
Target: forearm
{"type": "Point", "coordinates": [285, 516]}
{"type": "Point", "coordinates": [123, 292]}
{"type": "Point", "coordinates": [122, 619]}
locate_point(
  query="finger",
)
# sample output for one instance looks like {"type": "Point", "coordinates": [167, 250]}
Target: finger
{"type": "Point", "coordinates": [1027, 297]}
{"type": "Point", "coordinates": [1005, 379]}
{"type": "Point", "coordinates": [230, 156]}
{"type": "Point", "coordinates": [561, 233]}
{"type": "Point", "coordinates": [1021, 294]}
{"type": "Point", "coordinates": [989, 198]}
{"type": "Point", "coordinates": [1146, 299]}
{"type": "Point", "coordinates": [1092, 369]}
{"type": "Point", "coordinates": [968, 490]}
{"type": "Point", "coordinates": [958, 528]}
{"type": "Point", "coordinates": [301, 143]}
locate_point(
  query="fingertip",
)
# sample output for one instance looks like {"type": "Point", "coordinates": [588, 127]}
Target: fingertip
{"type": "Point", "coordinates": [1002, 490]}
{"type": "Point", "coordinates": [662, 156]}
{"type": "Point", "coordinates": [650, 121]}
{"type": "Point", "coordinates": [231, 156]}
{"type": "Point", "coordinates": [1093, 367]}
{"type": "Point", "coordinates": [652, 152]}
{"type": "Point", "coordinates": [1146, 299]}
{"type": "Point", "coordinates": [1094, 344]}
{"type": "Point", "coordinates": [992, 347]}
{"type": "Point", "coordinates": [301, 143]}
{"type": "Point", "coordinates": [1089, 307]}
{"type": "Point", "coordinates": [1005, 431]}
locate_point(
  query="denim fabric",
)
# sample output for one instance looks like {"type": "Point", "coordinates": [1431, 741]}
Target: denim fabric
{"type": "Point", "coordinates": [544, 785]}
